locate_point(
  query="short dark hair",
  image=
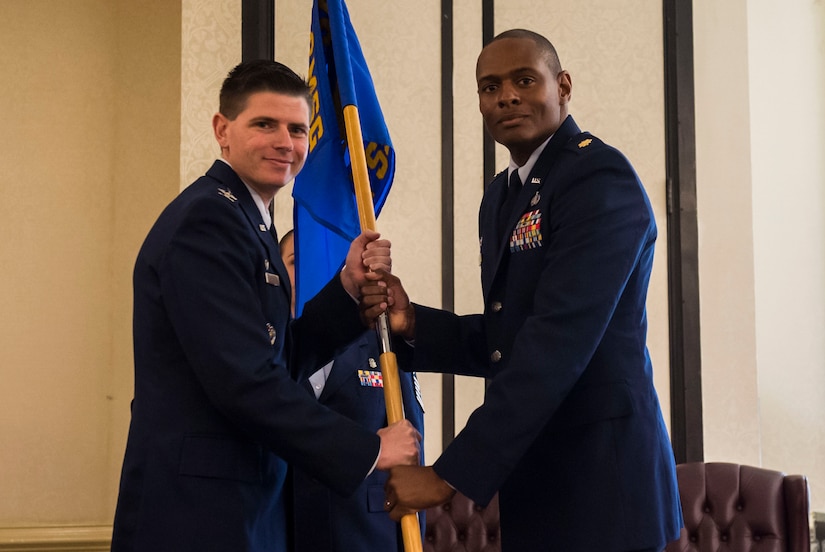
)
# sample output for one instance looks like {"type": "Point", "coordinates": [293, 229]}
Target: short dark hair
{"type": "Point", "coordinates": [544, 46]}
{"type": "Point", "coordinates": [259, 75]}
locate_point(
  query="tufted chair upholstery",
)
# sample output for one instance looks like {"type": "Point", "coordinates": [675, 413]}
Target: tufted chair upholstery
{"type": "Point", "coordinates": [462, 526]}
{"type": "Point", "coordinates": [734, 508]}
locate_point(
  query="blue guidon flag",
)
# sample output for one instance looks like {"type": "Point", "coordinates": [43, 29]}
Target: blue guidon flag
{"type": "Point", "coordinates": [326, 215]}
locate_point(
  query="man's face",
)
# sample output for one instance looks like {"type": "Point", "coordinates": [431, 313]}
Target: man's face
{"type": "Point", "coordinates": [521, 100]}
{"type": "Point", "coordinates": [266, 144]}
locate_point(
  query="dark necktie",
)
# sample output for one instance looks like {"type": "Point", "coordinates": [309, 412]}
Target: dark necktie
{"type": "Point", "coordinates": [513, 189]}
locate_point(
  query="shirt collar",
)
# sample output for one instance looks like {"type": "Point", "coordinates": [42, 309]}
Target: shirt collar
{"type": "Point", "coordinates": [525, 170]}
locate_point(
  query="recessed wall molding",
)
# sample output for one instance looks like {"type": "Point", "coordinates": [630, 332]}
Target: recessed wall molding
{"type": "Point", "coordinates": [86, 538]}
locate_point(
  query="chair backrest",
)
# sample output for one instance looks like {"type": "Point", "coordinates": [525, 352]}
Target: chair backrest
{"type": "Point", "coordinates": [461, 525]}
{"type": "Point", "coordinates": [737, 508]}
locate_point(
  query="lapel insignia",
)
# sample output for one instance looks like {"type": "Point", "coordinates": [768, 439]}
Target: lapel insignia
{"type": "Point", "coordinates": [535, 200]}
{"type": "Point", "coordinates": [266, 264]}
{"type": "Point", "coordinates": [585, 143]}
{"type": "Point", "coordinates": [535, 180]}
{"type": "Point", "coordinates": [227, 194]}
{"type": "Point", "coordinates": [270, 329]}
{"type": "Point", "coordinates": [262, 227]}
{"type": "Point", "coordinates": [272, 279]}
{"type": "Point", "coordinates": [370, 378]}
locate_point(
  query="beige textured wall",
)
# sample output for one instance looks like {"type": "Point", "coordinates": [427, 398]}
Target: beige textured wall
{"type": "Point", "coordinates": [90, 99]}
{"type": "Point", "coordinates": [723, 159]}
{"type": "Point", "coordinates": [210, 47]}
{"type": "Point", "coordinates": [56, 219]}
{"type": "Point", "coordinates": [468, 188]}
{"type": "Point", "coordinates": [147, 139]}
{"type": "Point", "coordinates": [787, 87]}
{"type": "Point", "coordinates": [760, 122]}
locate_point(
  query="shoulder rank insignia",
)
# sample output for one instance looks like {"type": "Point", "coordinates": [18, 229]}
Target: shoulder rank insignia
{"type": "Point", "coordinates": [585, 143]}
{"type": "Point", "coordinates": [227, 194]}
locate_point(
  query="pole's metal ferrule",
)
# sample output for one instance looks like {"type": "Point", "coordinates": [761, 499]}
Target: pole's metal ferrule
{"type": "Point", "coordinates": [382, 328]}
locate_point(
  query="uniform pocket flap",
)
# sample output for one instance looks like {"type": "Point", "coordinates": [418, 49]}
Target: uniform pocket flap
{"type": "Point", "coordinates": [594, 404]}
{"type": "Point", "coordinates": [221, 458]}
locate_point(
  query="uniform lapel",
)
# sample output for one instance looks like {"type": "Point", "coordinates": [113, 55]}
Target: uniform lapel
{"type": "Point", "coordinates": [490, 232]}
{"type": "Point", "coordinates": [346, 365]}
{"type": "Point", "coordinates": [533, 186]}
{"type": "Point", "coordinates": [224, 173]}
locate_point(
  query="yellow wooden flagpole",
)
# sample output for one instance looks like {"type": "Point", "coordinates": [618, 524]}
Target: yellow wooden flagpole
{"type": "Point", "coordinates": [410, 528]}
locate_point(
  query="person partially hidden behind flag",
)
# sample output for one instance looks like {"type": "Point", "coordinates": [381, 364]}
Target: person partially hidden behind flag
{"type": "Point", "coordinates": [216, 415]}
{"type": "Point", "coordinates": [570, 433]}
{"type": "Point", "coordinates": [350, 384]}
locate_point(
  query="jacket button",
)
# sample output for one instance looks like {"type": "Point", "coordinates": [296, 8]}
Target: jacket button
{"type": "Point", "coordinates": [496, 356]}
{"type": "Point", "coordinates": [496, 306]}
